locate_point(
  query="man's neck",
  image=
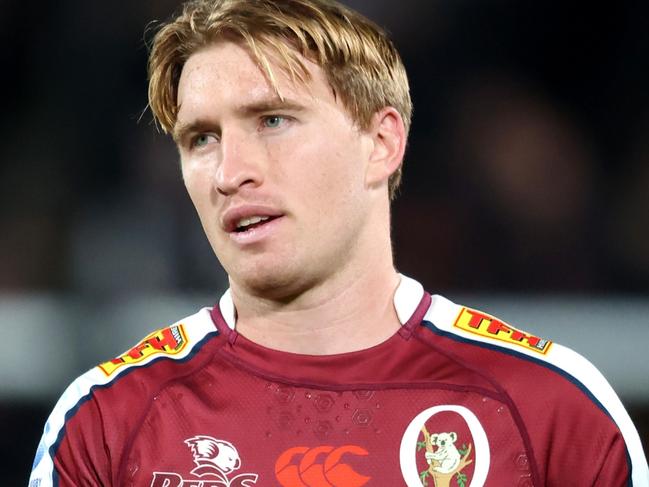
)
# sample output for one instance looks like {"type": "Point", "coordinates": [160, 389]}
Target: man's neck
{"type": "Point", "coordinates": [348, 312]}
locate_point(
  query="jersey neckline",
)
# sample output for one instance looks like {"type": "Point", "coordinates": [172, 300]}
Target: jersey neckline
{"type": "Point", "coordinates": [411, 304]}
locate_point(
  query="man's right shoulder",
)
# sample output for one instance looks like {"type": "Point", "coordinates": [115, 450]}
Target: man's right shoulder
{"type": "Point", "coordinates": [116, 391]}
{"type": "Point", "coordinates": [177, 342]}
{"type": "Point", "coordinates": [166, 348]}
{"type": "Point", "coordinates": [141, 370]}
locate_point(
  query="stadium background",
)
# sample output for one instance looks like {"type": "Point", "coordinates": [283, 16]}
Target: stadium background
{"type": "Point", "coordinates": [526, 186]}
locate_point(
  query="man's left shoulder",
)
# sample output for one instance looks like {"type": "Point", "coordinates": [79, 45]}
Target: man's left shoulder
{"type": "Point", "coordinates": [510, 353]}
{"type": "Point", "coordinates": [523, 363]}
{"type": "Point", "coordinates": [471, 329]}
{"type": "Point", "coordinates": [478, 326]}
{"type": "Point", "coordinates": [551, 386]}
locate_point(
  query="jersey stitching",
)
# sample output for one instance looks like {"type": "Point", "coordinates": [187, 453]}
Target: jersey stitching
{"type": "Point", "coordinates": [262, 374]}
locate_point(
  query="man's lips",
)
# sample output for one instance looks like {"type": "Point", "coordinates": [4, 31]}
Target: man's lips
{"type": "Point", "coordinates": [253, 215]}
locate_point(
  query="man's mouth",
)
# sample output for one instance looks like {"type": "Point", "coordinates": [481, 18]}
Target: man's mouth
{"type": "Point", "coordinates": [245, 224]}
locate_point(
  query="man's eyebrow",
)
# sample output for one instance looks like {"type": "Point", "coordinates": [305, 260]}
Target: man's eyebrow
{"type": "Point", "coordinates": [269, 105]}
{"type": "Point", "coordinates": [181, 129]}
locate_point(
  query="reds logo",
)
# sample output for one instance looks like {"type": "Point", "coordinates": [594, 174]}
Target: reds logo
{"type": "Point", "coordinates": [215, 460]}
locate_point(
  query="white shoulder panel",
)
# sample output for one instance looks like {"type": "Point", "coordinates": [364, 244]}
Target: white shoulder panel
{"type": "Point", "coordinates": [174, 342]}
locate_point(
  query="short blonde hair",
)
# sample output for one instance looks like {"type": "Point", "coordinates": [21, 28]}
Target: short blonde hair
{"type": "Point", "coordinates": [360, 62]}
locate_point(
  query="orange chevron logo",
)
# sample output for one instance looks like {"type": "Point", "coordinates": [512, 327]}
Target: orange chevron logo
{"type": "Point", "coordinates": [321, 466]}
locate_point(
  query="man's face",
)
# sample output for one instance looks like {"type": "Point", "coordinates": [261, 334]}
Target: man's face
{"type": "Point", "coordinates": [279, 186]}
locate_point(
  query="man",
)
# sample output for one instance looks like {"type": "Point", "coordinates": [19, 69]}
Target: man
{"type": "Point", "coordinates": [321, 365]}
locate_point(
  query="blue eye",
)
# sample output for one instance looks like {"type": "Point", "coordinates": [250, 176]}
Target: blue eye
{"type": "Point", "coordinates": [202, 140]}
{"type": "Point", "coordinates": [273, 121]}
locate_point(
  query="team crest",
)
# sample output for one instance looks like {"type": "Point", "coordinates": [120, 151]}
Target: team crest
{"type": "Point", "coordinates": [445, 446]}
{"type": "Point", "coordinates": [215, 460]}
{"type": "Point", "coordinates": [446, 462]}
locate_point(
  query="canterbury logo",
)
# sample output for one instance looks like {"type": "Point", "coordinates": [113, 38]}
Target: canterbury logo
{"type": "Point", "coordinates": [321, 466]}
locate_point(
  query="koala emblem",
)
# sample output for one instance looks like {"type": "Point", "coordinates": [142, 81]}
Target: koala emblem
{"type": "Point", "coordinates": [446, 458]}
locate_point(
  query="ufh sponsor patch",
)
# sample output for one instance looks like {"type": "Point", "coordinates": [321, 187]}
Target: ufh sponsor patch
{"type": "Point", "coordinates": [168, 341]}
{"type": "Point", "coordinates": [487, 326]}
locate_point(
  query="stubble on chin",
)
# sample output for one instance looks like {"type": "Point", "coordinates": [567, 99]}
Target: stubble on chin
{"type": "Point", "coordinates": [281, 283]}
{"type": "Point", "coordinates": [263, 280]}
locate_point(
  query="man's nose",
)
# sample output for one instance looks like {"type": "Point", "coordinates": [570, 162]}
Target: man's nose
{"type": "Point", "coordinates": [239, 164]}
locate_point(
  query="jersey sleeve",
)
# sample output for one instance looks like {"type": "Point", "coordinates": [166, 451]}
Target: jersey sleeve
{"type": "Point", "coordinates": [596, 427]}
{"type": "Point", "coordinates": [73, 450]}
{"type": "Point", "coordinates": [87, 433]}
{"type": "Point", "coordinates": [614, 465]}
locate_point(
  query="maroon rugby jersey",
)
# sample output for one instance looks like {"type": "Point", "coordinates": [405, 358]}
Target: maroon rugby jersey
{"type": "Point", "coordinates": [456, 398]}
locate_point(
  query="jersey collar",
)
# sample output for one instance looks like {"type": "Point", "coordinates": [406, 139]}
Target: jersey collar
{"type": "Point", "coordinates": [407, 299]}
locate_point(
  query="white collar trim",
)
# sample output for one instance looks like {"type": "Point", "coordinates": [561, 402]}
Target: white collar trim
{"type": "Point", "coordinates": [406, 299]}
{"type": "Point", "coordinates": [226, 305]}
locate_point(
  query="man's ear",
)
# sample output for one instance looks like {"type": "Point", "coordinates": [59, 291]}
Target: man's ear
{"type": "Point", "coordinates": [389, 137]}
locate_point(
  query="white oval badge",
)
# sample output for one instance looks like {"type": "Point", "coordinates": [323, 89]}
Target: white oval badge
{"type": "Point", "coordinates": [443, 454]}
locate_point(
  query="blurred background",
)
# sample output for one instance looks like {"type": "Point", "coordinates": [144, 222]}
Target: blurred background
{"type": "Point", "coordinates": [526, 186]}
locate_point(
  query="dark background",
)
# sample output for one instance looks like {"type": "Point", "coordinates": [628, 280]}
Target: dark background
{"type": "Point", "coordinates": [527, 170]}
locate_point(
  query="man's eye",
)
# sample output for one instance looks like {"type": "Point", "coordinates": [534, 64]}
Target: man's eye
{"type": "Point", "coordinates": [202, 140]}
{"type": "Point", "coordinates": [273, 121]}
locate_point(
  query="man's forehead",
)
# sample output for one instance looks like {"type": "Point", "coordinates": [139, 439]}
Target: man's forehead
{"type": "Point", "coordinates": [219, 64]}
{"type": "Point", "coordinates": [231, 66]}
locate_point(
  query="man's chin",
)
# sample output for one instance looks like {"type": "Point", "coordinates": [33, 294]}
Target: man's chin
{"type": "Point", "coordinates": [277, 284]}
